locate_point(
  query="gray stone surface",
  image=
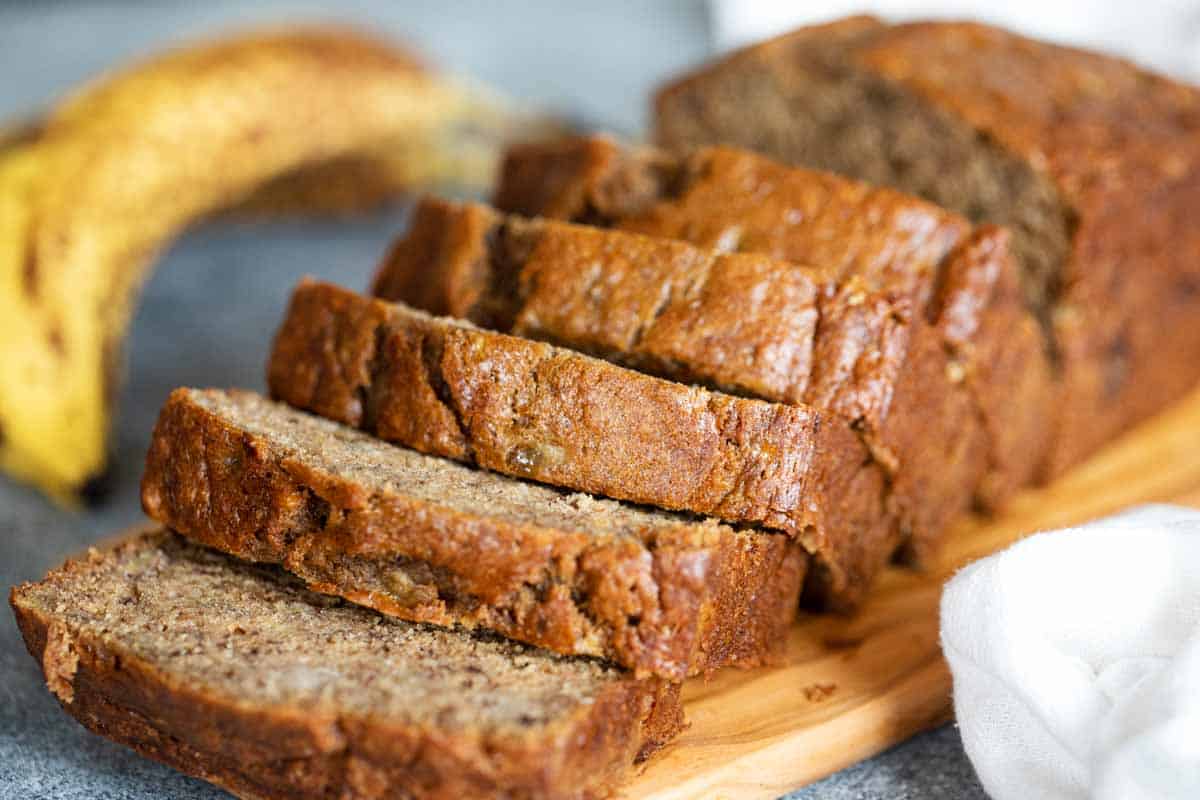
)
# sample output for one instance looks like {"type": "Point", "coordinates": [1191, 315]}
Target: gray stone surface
{"type": "Point", "coordinates": [210, 309]}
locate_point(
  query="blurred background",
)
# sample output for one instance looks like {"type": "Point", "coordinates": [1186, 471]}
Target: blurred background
{"type": "Point", "coordinates": [1163, 34]}
{"type": "Point", "coordinates": [215, 298]}
{"type": "Point", "coordinates": [598, 60]}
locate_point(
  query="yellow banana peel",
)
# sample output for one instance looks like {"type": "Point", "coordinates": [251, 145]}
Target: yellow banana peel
{"type": "Point", "coordinates": [264, 121]}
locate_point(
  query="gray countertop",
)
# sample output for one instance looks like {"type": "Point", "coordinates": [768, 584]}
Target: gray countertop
{"type": "Point", "coordinates": [210, 309]}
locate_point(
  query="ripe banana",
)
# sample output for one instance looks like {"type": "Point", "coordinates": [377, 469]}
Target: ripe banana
{"type": "Point", "coordinates": [307, 119]}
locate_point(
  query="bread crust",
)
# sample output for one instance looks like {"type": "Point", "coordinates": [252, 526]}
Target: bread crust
{"type": "Point", "coordinates": [968, 280]}
{"type": "Point", "coordinates": [1118, 146]}
{"type": "Point", "coordinates": [996, 346]}
{"type": "Point", "coordinates": [535, 411]}
{"type": "Point", "coordinates": [680, 599]}
{"type": "Point", "coordinates": [860, 336]}
{"type": "Point", "coordinates": [292, 752]}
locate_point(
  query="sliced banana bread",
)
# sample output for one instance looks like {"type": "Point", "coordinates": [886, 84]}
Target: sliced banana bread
{"type": "Point", "coordinates": [536, 411]}
{"type": "Point", "coordinates": [431, 540]}
{"type": "Point", "coordinates": [730, 199]}
{"type": "Point", "coordinates": [238, 675]}
{"type": "Point", "coordinates": [734, 200]}
{"type": "Point", "coordinates": [860, 348]}
{"type": "Point", "coordinates": [1093, 163]}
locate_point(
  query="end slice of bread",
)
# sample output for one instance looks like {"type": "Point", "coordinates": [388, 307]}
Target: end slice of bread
{"type": "Point", "coordinates": [238, 675]}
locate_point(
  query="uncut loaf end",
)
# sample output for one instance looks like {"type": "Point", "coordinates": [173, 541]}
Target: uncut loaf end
{"type": "Point", "coordinates": [1091, 162]}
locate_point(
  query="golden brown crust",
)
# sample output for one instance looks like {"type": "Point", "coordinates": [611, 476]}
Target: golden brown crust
{"type": "Point", "coordinates": [684, 598]}
{"type": "Point", "coordinates": [998, 349]}
{"type": "Point", "coordinates": [288, 752]}
{"type": "Point", "coordinates": [1116, 147]}
{"type": "Point", "coordinates": [859, 348]}
{"type": "Point", "coordinates": [589, 179]}
{"type": "Point", "coordinates": [732, 200]}
{"type": "Point", "coordinates": [460, 248]}
{"type": "Point", "coordinates": [857, 338]}
{"type": "Point", "coordinates": [528, 409]}
{"type": "Point", "coordinates": [721, 196]}
{"type": "Point", "coordinates": [878, 253]}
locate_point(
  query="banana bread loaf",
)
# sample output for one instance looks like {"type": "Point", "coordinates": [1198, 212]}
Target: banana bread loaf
{"type": "Point", "coordinates": [1093, 163]}
{"type": "Point", "coordinates": [535, 411]}
{"type": "Point", "coordinates": [431, 540]}
{"type": "Point", "coordinates": [239, 676]}
{"type": "Point", "coordinates": [730, 199]}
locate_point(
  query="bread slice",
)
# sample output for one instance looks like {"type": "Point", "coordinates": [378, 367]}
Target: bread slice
{"type": "Point", "coordinates": [239, 676]}
{"type": "Point", "coordinates": [535, 411]}
{"type": "Point", "coordinates": [734, 201]}
{"type": "Point", "coordinates": [1092, 163]}
{"type": "Point", "coordinates": [430, 540]}
{"type": "Point", "coordinates": [725, 198]}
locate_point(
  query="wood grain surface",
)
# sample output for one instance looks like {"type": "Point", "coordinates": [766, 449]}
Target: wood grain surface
{"type": "Point", "coordinates": [852, 687]}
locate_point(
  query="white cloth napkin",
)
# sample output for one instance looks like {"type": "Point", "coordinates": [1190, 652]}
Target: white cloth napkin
{"type": "Point", "coordinates": [1076, 660]}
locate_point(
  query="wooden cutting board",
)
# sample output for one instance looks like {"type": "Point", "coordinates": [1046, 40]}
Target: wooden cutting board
{"type": "Point", "coordinates": [851, 688]}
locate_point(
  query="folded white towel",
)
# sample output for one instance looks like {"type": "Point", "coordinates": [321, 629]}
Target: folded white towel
{"type": "Point", "coordinates": [1076, 660]}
